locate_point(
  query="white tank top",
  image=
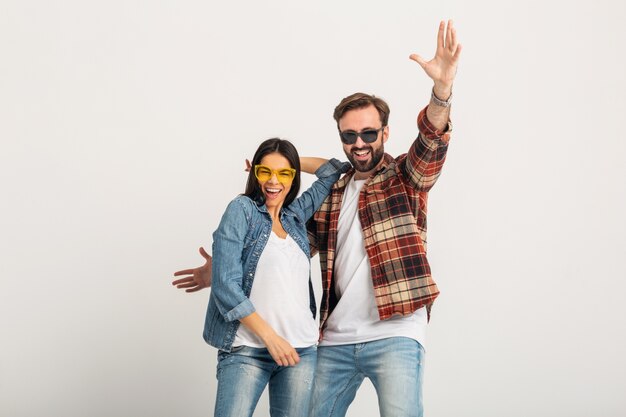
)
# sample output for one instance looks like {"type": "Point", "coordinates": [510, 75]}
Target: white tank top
{"type": "Point", "coordinates": [280, 295]}
{"type": "Point", "coordinates": [355, 317]}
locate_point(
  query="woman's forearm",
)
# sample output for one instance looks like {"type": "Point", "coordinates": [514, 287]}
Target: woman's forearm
{"type": "Point", "coordinates": [281, 350]}
{"type": "Point", "coordinates": [258, 326]}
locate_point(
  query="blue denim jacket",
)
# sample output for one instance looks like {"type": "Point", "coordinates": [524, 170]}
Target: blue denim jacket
{"type": "Point", "coordinates": [237, 246]}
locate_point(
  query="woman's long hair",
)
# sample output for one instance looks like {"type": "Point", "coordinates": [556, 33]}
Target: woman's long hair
{"type": "Point", "coordinates": [286, 149]}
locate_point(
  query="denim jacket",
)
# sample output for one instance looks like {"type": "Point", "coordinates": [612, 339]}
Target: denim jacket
{"type": "Point", "coordinates": [238, 243]}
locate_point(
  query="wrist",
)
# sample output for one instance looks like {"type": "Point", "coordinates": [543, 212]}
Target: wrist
{"type": "Point", "coordinates": [442, 91]}
{"type": "Point", "coordinates": [441, 100]}
{"type": "Point", "coordinates": [266, 335]}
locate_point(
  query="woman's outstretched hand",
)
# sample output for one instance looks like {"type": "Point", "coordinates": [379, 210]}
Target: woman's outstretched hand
{"type": "Point", "coordinates": [195, 279]}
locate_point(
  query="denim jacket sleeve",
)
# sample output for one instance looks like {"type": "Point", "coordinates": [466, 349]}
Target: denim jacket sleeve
{"type": "Point", "coordinates": [312, 199]}
{"type": "Point", "coordinates": [227, 269]}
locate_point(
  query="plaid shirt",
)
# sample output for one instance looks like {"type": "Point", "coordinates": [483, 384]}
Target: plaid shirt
{"type": "Point", "coordinates": [392, 211]}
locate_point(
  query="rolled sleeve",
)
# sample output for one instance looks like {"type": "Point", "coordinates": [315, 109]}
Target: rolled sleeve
{"type": "Point", "coordinates": [243, 309]}
{"type": "Point", "coordinates": [431, 135]}
{"type": "Point", "coordinates": [427, 154]}
{"type": "Point", "coordinates": [332, 167]}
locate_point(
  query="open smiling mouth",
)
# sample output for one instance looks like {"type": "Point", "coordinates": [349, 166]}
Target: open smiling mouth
{"type": "Point", "coordinates": [361, 153]}
{"type": "Point", "coordinates": [272, 192]}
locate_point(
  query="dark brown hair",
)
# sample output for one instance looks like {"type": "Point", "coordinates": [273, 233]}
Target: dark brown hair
{"type": "Point", "coordinates": [359, 101]}
{"type": "Point", "coordinates": [286, 149]}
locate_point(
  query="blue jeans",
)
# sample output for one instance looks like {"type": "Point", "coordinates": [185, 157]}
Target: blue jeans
{"type": "Point", "coordinates": [243, 374]}
{"type": "Point", "coordinates": [394, 365]}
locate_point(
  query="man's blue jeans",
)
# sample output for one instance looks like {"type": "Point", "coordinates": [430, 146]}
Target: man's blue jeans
{"type": "Point", "coordinates": [394, 365]}
{"type": "Point", "coordinates": [243, 374]}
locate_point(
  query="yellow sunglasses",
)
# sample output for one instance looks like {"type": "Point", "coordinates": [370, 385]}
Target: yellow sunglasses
{"type": "Point", "coordinates": [284, 176]}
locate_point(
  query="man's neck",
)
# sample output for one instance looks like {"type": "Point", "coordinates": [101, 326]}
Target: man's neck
{"type": "Point", "coordinates": [358, 175]}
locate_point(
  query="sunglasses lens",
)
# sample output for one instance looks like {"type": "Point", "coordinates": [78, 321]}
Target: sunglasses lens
{"type": "Point", "coordinates": [348, 137]}
{"type": "Point", "coordinates": [263, 173]}
{"type": "Point", "coordinates": [369, 136]}
{"type": "Point", "coordinates": [285, 175]}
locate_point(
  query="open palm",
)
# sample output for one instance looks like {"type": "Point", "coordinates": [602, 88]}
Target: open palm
{"type": "Point", "coordinates": [195, 279]}
{"type": "Point", "coordinates": [442, 68]}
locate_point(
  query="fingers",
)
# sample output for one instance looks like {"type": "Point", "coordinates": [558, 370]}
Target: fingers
{"type": "Point", "coordinates": [248, 165]}
{"type": "Point", "coordinates": [204, 254]}
{"type": "Point", "coordinates": [182, 281]}
{"type": "Point", "coordinates": [193, 282]}
{"type": "Point", "coordinates": [452, 45]}
{"type": "Point", "coordinates": [187, 284]}
{"type": "Point", "coordinates": [457, 53]}
{"type": "Point", "coordinates": [449, 30]}
{"type": "Point", "coordinates": [283, 353]}
{"type": "Point", "coordinates": [289, 358]}
{"type": "Point", "coordinates": [453, 41]}
{"type": "Point", "coordinates": [293, 358]}
{"type": "Point", "coordinates": [440, 44]}
{"type": "Point", "coordinates": [418, 59]}
{"type": "Point", "coordinates": [183, 272]}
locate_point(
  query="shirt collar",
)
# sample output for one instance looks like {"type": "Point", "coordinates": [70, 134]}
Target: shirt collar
{"type": "Point", "coordinates": [261, 207]}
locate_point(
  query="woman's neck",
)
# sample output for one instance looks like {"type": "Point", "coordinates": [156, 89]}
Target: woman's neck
{"type": "Point", "coordinates": [274, 212]}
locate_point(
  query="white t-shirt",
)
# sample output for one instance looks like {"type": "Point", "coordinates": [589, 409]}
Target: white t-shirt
{"type": "Point", "coordinates": [355, 317]}
{"type": "Point", "coordinates": [280, 295]}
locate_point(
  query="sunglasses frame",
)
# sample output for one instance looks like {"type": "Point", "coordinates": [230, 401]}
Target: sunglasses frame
{"type": "Point", "coordinates": [274, 172]}
{"type": "Point", "coordinates": [358, 135]}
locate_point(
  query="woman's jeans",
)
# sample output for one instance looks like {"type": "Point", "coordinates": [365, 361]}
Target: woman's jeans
{"type": "Point", "coordinates": [243, 374]}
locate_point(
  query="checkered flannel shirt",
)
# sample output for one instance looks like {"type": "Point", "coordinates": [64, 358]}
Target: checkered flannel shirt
{"type": "Point", "coordinates": [392, 211]}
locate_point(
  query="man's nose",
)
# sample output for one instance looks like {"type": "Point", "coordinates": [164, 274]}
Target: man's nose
{"type": "Point", "coordinates": [359, 142]}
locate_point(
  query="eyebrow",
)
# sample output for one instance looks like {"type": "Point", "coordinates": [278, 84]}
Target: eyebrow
{"type": "Point", "coordinates": [275, 169]}
{"type": "Point", "coordinates": [362, 130]}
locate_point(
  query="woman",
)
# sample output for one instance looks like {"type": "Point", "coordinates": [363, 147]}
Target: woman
{"type": "Point", "coordinates": [261, 280]}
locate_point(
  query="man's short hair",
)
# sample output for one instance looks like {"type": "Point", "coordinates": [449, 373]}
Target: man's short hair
{"type": "Point", "coordinates": [359, 101]}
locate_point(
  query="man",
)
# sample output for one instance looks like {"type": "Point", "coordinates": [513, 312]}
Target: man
{"type": "Point", "coordinates": [371, 236]}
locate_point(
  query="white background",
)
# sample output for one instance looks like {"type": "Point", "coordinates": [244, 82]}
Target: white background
{"type": "Point", "coordinates": [124, 126]}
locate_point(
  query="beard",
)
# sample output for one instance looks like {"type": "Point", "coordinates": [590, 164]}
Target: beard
{"type": "Point", "coordinates": [366, 166]}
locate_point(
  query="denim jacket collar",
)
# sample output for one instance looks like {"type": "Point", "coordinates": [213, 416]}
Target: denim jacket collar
{"type": "Point", "coordinates": [284, 211]}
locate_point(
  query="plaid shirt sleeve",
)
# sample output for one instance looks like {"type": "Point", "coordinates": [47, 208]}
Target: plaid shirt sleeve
{"type": "Point", "coordinates": [427, 154]}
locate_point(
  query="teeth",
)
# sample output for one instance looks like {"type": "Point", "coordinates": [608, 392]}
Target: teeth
{"type": "Point", "coordinates": [361, 153]}
{"type": "Point", "coordinates": [273, 190]}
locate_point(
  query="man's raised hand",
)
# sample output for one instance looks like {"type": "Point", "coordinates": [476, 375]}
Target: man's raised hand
{"type": "Point", "coordinates": [442, 68]}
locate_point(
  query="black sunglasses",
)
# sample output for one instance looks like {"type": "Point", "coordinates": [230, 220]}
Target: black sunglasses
{"type": "Point", "coordinates": [368, 135]}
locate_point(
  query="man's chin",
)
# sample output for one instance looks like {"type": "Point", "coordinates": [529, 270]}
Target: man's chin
{"type": "Point", "coordinates": [366, 166]}
{"type": "Point", "coordinates": [359, 165]}
{"type": "Point", "coordinates": [362, 166]}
